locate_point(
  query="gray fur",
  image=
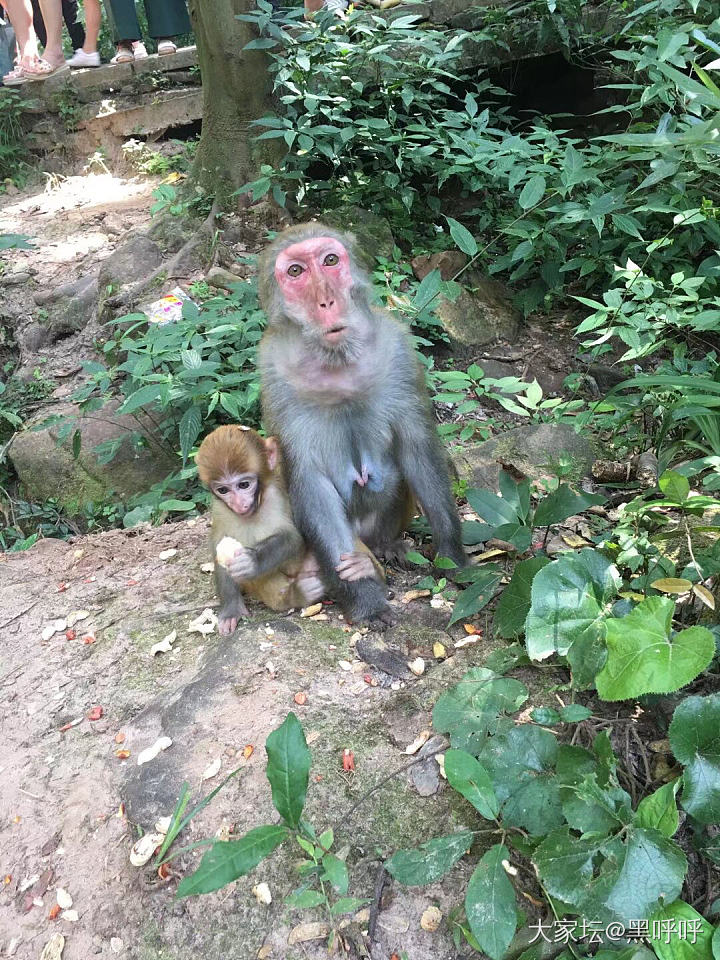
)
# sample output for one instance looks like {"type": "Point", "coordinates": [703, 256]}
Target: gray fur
{"type": "Point", "coordinates": [334, 410]}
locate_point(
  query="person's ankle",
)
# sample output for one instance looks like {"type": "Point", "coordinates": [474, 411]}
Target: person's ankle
{"type": "Point", "coordinates": [90, 51]}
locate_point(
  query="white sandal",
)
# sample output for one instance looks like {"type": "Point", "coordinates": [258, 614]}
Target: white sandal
{"type": "Point", "coordinates": [123, 55]}
{"type": "Point", "coordinates": [166, 47]}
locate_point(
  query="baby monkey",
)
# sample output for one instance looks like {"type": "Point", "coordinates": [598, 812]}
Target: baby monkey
{"type": "Point", "coordinates": [256, 545]}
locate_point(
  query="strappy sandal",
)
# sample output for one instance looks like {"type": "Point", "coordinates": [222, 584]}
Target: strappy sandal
{"type": "Point", "coordinates": [165, 48]}
{"type": "Point", "coordinates": [42, 70]}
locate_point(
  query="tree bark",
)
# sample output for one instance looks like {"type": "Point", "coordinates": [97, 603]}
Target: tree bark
{"type": "Point", "coordinates": [236, 90]}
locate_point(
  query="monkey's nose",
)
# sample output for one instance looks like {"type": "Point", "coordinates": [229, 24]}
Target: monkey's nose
{"type": "Point", "coordinates": [326, 304]}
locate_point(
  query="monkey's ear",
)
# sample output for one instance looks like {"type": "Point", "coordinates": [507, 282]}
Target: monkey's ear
{"type": "Point", "coordinates": [272, 451]}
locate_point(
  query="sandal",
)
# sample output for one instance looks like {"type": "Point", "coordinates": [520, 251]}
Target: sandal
{"type": "Point", "coordinates": [14, 78]}
{"type": "Point", "coordinates": [123, 55]}
{"type": "Point", "coordinates": [166, 47]}
{"type": "Point", "coordinates": [42, 70]}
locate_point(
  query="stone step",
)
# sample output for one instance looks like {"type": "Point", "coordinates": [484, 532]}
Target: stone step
{"type": "Point", "coordinates": [143, 116]}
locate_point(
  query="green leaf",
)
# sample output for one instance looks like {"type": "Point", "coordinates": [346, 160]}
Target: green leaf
{"type": "Point", "coordinates": [15, 241]}
{"type": "Point", "coordinates": [336, 872]}
{"type": "Point", "coordinates": [477, 595]}
{"type": "Point", "coordinates": [181, 506]}
{"type": "Point", "coordinates": [532, 192]}
{"type": "Point", "coordinates": [545, 716]}
{"type": "Point", "coordinates": [643, 658]}
{"type": "Point", "coordinates": [675, 486]}
{"type": "Point", "coordinates": [348, 905]}
{"type": "Point", "coordinates": [417, 558]}
{"type": "Point", "coordinates": [430, 861]}
{"type": "Point", "coordinates": [471, 779]}
{"type": "Point", "coordinates": [574, 713]}
{"type": "Point", "coordinates": [304, 899]}
{"type": "Point", "coordinates": [474, 707]}
{"type": "Point", "coordinates": [678, 932]}
{"type": "Point", "coordinates": [563, 503]}
{"type": "Point", "coordinates": [143, 397]}
{"type": "Point", "coordinates": [659, 810]}
{"type": "Point", "coordinates": [462, 237]}
{"type": "Point", "coordinates": [514, 604]}
{"type": "Point", "coordinates": [716, 944]}
{"type": "Point", "coordinates": [490, 903]}
{"type": "Point", "coordinates": [226, 861]}
{"type": "Point", "coordinates": [288, 768]}
{"type": "Point", "coordinates": [520, 762]}
{"type": "Point", "coordinates": [570, 598]}
{"type": "Point", "coordinates": [695, 740]}
{"type": "Point", "coordinates": [76, 444]}
{"type": "Point", "coordinates": [565, 863]}
{"type": "Point", "coordinates": [518, 534]}
{"type": "Point", "coordinates": [495, 510]}
{"type": "Point", "coordinates": [189, 430]}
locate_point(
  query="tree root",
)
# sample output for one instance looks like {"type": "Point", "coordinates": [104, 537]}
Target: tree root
{"type": "Point", "coordinates": [130, 296]}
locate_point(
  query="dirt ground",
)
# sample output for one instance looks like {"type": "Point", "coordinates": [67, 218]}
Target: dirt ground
{"type": "Point", "coordinates": [70, 806]}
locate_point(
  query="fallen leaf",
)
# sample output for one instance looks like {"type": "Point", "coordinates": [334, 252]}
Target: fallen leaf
{"type": "Point", "coordinates": [704, 594]}
{"type": "Point", "coordinates": [345, 665]}
{"type": "Point", "coordinates": [533, 900]}
{"type": "Point", "coordinates": [116, 944]}
{"type": "Point", "coordinates": [264, 953]}
{"type": "Point", "coordinates": [439, 651]}
{"type": "Point", "coordinates": [204, 624]}
{"type": "Point", "coordinates": [572, 540]}
{"type": "Point", "coordinates": [54, 912]}
{"type": "Point", "coordinates": [489, 554]}
{"type": "Point", "coordinates": [162, 743]}
{"type": "Point", "coordinates": [167, 554]}
{"type": "Point", "coordinates": [300, 698]}
{"type": "Point", "coordinates": [53, 948]}
{"type": "Point", "coordinates": [95, 713]}
{"type": "Point", "coordinates": [122, 754]}
{"type": "Point", "coordinates": [470, 628]}
{"type": "Point", "coordinates": [419, 740]}
{"type": "Point", "coordinates": [144, 848]}
{"type": "Point", "coordinates": [56, 626]}
{"type": "Point", "coordinates": [164, 645]}
{"type": "Point", "coordinates": [466, 641]}
{"type": "Point", "coordinates": [212, 769]}
{"type": "Point", "coordinates": [440, 760]}
{"type": "Point", "coordinates": [64, 900]}
{"type": "Point", "coordinates": [672, 585]}
{"type": "Point", "coordinates": [318, 930]}
{"type": "Point", "coordinates": [88, 639]}
{"type": "Point", "coordinates": [75, 616]}
{"type": "Point", "coordinates": [311, 610]}
{"type": "Point", "coordinates": [417, 666]}
{"type": "Point", "coordinates": [162, 825]}
{"type": "Point", "coordinates": [248, 751]}
{"type": "Point", "coordinates": [430, 920]}
{"type": "Point", "coordinates": [440, 603]}
{"type": "Point", "coordinates": [262, 893]}
{"type": "Point", "coordinates": [414, 595]}
{"type": "Point", "coordinates": [73, 723]}
{"type": "Point", "coordinates": [7, 879]}
{"type": "Point", "coordinates": [164, 871]}
{"type": "Point", "coordinates": [120, 737]}
{"type": "Point", "coordinates": [348, 759]}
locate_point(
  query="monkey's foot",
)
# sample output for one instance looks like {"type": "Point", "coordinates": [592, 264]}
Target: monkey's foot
{"type": "Point", "coordinates": [227, 625]}
{"type": "Point", "coordinates": [394, 554]}
{"type": "Point", "coordinates": [313, 589]}
{"type": "Point", "coordinates": [378, 620]}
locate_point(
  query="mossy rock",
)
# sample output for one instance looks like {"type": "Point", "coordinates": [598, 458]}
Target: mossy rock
{"type": "Point", "coordinates": [372, 233]}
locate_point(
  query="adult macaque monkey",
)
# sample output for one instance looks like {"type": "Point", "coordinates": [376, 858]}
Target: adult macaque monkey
{"type": "Point", "coordinates": [255, 543]}
{"type": "Point", "coordinates": [344, 393]}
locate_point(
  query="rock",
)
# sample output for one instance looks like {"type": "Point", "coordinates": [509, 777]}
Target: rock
{"type": "Point", "coordinates": [372, 649]}
{"type": "Point", "coordinates": [425, 776]}
{"type": "Point", "coordinates": [12, 279]}
{"type": "Point", "coordinates": [372, 232]}
{"type": "Point", "coordinates": [535, 449]}
{"type": "Point", "coordinates": [33, 337]}
{"type": "Point", "coordinates": [132, 261]}
{"type": "Point", "coordinates": [74, 313]}
{"type": "Point", "coordinates": [48, 470]}
{"type": "Point", "coordinates": [479, 316]}
{"type": "Point", "coordinates": [217, 277]}
{"type": "Point", "coordinates": [449, 263]}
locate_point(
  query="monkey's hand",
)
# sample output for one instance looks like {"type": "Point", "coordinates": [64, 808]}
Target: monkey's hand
{"type": "Point", "coordinates": [355, 566]}
{"type": "Point", "coordinates": [242, 565]}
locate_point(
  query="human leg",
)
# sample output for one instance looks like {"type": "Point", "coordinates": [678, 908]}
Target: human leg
{"type": "Point", "coordinates": [52, 15]}
{"type": "Point", "coordinates": [87, 55]}
{"type": "Point", "coordinates": [72, 22]}
{"type": "Point", "coordinates": [167, 19]}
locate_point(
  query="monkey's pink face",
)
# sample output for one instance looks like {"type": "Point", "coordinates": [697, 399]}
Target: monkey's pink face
{"type": "Point", "coordinates": [314, 277]}
{"type": "Point", "coordinates": [238, 491]}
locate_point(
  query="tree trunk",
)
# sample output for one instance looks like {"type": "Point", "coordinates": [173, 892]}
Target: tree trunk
{"type": "Point", "coordinates": [236, 90]}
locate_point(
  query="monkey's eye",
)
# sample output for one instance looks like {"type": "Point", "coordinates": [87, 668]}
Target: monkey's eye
{"type": "Point", "coordinates": [294, 270]}
{"type": "Point", "coordinates": [243, 484]}
{"type": "Point", "coordinates": [222, 491]}
{"type": "Point", "coordinates": [331, 260]}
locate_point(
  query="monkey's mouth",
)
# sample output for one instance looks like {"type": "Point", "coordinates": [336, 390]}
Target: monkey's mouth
{"type": "Point", "coordinates": [334, 333]}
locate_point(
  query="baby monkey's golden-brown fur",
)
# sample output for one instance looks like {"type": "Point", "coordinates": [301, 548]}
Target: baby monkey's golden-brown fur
{"type": "Point", "coordinates": [250, 504]}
